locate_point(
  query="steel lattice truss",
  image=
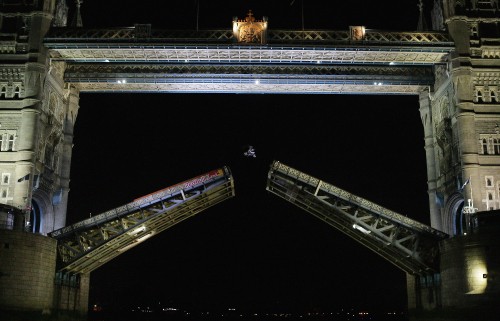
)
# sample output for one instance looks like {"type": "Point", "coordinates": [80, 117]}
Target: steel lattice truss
{"type": "Point", "coordinates": [250, 78]}
{"type": "Point", "coordinates": [248, 54]}
{"type": "Point", "coordinates": [142, 33]}
{"type": "Point", "coordinates": [143, 60]}
{"type": "Point", "coordinates": [86, 245]}
{"type": "Point", "coordinates": [408, 244]}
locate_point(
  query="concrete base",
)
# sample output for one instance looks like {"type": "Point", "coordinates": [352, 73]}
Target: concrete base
{"type": "Point", "coordinates": [454, 315]}
{"type": "Point", "coordinates": [470, 270]}
{"type": "Point", "coordinates": [468, 285]}
{"type": "Point", "coordinates": [27, 269]}
{"type": "Point", "coordinates": [36, 316]}
{"type": "Point", "coordinates": [29, 288]}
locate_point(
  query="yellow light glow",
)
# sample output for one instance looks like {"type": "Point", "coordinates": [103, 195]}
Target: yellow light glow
{"type": "Point", "coordinates": [235, 28]}
{"type": "Point", "coordinates": [136, 242]}
{"type": "Point", "coordinates": [476, 281]}
{"type": "Point", "coordinates": [145, 237]}
{"type": "Point", "coordinates": [137, 230]}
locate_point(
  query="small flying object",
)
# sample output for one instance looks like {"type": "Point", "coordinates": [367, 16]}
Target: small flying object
{"type": "Point", "coordinates": [250, 152]}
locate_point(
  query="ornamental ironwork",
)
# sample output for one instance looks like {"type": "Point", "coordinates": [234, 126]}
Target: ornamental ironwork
{"type": "Point", "coordinates": [68, 35]}
{"type": "Point", "coordinates": [250, 30]}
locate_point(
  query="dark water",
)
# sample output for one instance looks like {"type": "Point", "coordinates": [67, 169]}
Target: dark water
{"type": "Point", "coordinates": [344, 315]}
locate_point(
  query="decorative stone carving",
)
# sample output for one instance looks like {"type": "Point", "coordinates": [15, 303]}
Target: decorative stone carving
{"type": "Point", "coordinates": [61, 15]}
{"type": "Point", "coordinates": [441, 75]}
{"type": "Point", "coordinates": [437, 16]}
{"type": "Point", "coordinates": [250, 30]}
{"type": "Point", "coordinates": [357, 33]}
{"type": "Point", "coordinates": [442, 131]}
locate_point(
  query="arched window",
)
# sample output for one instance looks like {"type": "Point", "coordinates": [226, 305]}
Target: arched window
{"type": "Point", "coordinates": [479, 96]}
{"type": "Point", "coordinates": [490, 196]}
{"type": "Point", "coordinates": [494, 97]}
{"type": "Point", "coordinates": [488, 182]}
{"type": "Point", "coordinates": [496, 146]}
{"type": "Point", "coordinates": [485, 146]}
{"type": "Point", "coordinates": [11, 142]}
{"type": "Point", "coordinates": [4, 193]}
{"type": "Point", "coordinates": [6, 179]}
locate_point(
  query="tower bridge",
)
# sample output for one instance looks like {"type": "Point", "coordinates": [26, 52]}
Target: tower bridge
{"type": "Point", "coordinates": [289, 61]}
{"type": "Point", "coordinates": [450, 265]}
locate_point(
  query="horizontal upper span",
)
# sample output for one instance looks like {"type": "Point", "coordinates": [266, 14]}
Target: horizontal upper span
{"type": "Point", "coordinates": [248, 54]}
{"type": "Point", "coordinates": [315, 37]}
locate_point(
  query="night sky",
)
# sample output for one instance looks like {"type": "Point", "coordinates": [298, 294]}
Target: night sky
{"type": "Point", "coordinates": [254, 251]}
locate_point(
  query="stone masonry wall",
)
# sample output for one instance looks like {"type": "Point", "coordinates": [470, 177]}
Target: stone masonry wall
{"type": "Point", "coordinates": [27, 269]}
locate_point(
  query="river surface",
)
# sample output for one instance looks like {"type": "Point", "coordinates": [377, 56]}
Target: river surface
{"type": "Point", "coordinates": [333, 316]}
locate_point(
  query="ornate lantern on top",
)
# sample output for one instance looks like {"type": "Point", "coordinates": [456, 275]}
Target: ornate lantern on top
{"type": "Point", "coordinates": [250, 30]}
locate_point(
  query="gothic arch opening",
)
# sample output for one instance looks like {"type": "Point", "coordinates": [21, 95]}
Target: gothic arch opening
{"type": "Point", "coordinates": [41, 216]}
{"type": "Point", "coordinates": [454, 220]}
{"type": "Point", "coordinates": [35, 217]}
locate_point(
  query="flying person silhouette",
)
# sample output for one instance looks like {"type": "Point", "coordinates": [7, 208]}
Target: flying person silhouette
{"type": "Point", "coordinates": [250, 152]}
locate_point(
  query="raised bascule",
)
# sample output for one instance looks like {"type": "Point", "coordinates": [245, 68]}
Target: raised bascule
{"type": "Point", "coordinates": [87, 245]}
{"type": "Point", "coordinates": [452, 266]}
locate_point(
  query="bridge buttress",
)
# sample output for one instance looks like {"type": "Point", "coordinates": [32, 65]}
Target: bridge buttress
{"type": "Point", "coordinates": [426, 118]}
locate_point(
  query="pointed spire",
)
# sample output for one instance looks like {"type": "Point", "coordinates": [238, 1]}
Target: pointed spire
{"type": "Point", "coordinates": [77, 19]}
{"type": "Point", "coordinates": [422, 25]}
{"type": "Point", "coordinates": [61, 15]}
{"type": "Point", "coordinates": [437, 21]}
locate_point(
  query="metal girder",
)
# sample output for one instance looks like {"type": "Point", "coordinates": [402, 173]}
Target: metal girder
{"type": "Point", "coordinates": [408, 244]}
{"type": "Point", "coordinates": [307, 71]}
{"type": "Point", "coordinates": [86, 245]}
{"type": "Point", "coordinates": [169, 53]}
{"type": "Point", "coordinates": [270, 78]}
{"type": "Point", "coordinates": [142, 59]}
{"type": "Point", "coordinates": [137, 34]}
{"type": "Point", "coordinates": [252, 87]}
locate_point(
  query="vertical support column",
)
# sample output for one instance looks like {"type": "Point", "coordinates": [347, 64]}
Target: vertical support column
{"type": "Point", "coordinates": [25, 161]}
{"type": "Point", "coordinates": [27, 129]}
{"type": "Point", "coordinates": [468, 152]}
{"type": "Point", "coordinates": [22, 195]}
{"type": "Point", "coordinates": [426, 117]}
{"type": "Point", "coordinates": [412, 292]}
{"type": "Point", "coordinates": [61, 207]}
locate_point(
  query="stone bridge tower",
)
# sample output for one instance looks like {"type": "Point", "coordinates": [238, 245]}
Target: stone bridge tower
{"type": "Point", "coordinates": [461, 116]}
{"type": "Point", "coordinates": [37, 115]}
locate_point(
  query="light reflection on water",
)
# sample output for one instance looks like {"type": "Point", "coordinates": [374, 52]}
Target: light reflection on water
{"type": "Point", "coordinates": [328, 317]}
